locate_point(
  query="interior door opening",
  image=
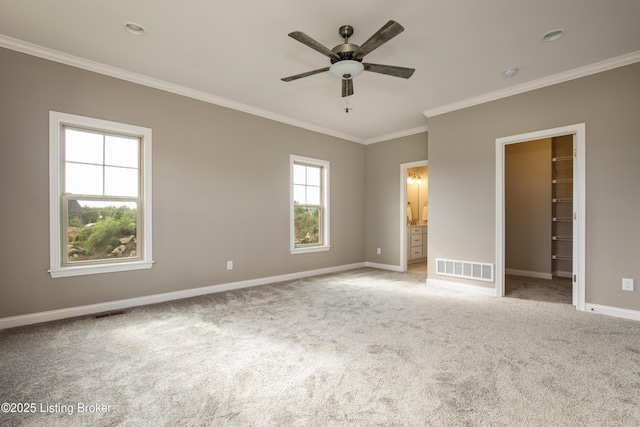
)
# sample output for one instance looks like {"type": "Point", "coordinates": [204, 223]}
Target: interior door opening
{"type": "Point", "coordinates": [538, 196]}
{"type": "Point", "coordinates": [566, 251]}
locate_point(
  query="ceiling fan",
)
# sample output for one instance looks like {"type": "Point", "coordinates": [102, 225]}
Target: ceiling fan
{"type": "Point", "coordinates": [346, 59]}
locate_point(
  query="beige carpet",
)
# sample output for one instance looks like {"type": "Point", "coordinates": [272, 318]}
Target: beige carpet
{"type": "Point", "coordinates": [557, 289]}
{"type": "Point", "coordinates": [361, 348]}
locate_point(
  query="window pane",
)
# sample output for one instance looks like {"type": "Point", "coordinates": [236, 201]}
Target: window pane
{"type": "Point", "coordinates": [299, 174]}
{"type": "Point", "coordinates": [121, 151]}
{"type": "Point", "coordinates": [306, 225]}
{"type": "Point", "coordinates": [299, 194]}
{"type": "Point", "coordinates": [313, 176]}
{"type": "Point", "coordinates": [313, 195]}
{"type": "Point", "coordinates": [101, 230]}
{"type": "Point", "coordinates": [83, 147]}
{"type": "Point", "coordinates": [120, 182]}
{"type": "Point", "coordinates": [83, 179]}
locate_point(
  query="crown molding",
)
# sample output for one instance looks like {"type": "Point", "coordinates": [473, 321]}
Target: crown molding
{"type": "Point", "coordinates": [107, 70]}
{"type": "Point", "coordinates": [97, 67]}
{"type": "Point", "coordinates": [400, 134]}
{"type": "Point", "coordinates": [587, 70]}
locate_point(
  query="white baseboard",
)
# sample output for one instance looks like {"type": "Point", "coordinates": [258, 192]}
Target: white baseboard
{"type": "Point", "coordinates": [383, 266]}
{"type": "Point", "coordinates": [525, 273]}
{"type": "Point", "coordinates": [613, 311]}
{"type": "Point", "coordinates": [565, 274]}
{"type": "Point", "coordinates": [461, 287]}
{"type": "Point", "coordinates": [47, 316]}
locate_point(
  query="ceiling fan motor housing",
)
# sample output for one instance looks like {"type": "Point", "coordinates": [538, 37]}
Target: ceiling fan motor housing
{"type": "Point", "coordinates": [344, 51]}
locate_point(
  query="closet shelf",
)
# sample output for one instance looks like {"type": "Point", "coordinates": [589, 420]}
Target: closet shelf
{"type": "Point", "coordinates": [562, 216]}
{"type": "Point", "coordinates": [562, 159]}
{"type": "Point", "coordinates": [562, 219]}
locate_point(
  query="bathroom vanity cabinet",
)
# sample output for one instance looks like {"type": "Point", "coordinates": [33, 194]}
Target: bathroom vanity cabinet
{"type": "Point", "coordinates": [416, 243]}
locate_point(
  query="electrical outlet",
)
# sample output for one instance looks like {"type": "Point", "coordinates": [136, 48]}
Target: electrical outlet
{"type": "Point", "coordinates": [627, 284]}
{"type": "Point", "coordinates": [229, 265]}
{"type": "Point", "coordinates": [379, 251]}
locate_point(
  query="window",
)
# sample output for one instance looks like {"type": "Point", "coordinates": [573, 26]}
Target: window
{"type": "Point", "coordinates": [309, 205]}
{"type": "Point", "coordinates": [99, 195]}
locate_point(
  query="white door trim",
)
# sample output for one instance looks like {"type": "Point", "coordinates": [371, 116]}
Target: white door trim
{"type": "Point", "coordinates": [579, 206]}
{"type": "Point", "coordinates": [403, 209]}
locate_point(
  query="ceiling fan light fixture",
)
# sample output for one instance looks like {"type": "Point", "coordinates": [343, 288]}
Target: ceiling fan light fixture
{"type": "Point", "coordinates": [346, 69]}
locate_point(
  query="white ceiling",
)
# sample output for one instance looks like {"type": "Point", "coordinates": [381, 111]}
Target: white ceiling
{"type": "Point", "coordinates": [234, 53]}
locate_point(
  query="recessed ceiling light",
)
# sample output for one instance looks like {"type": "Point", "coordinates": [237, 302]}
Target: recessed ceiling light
{"type": "Point", "coordinates": [133, 28]}
{"type": "Point", "coordinates": [510, 72]}
{"type": "Point", "coordinates": [552, 35]}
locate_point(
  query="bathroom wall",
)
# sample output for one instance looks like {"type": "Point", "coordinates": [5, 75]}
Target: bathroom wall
{"type": "Point", "coordinates": [527, 181]}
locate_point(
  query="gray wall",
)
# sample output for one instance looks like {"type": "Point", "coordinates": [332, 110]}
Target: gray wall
{"type": "Point", "coordinates": [527, 191]}
{"type": "Point", "coordinates": [220, 182]}
{"type": "Point", "coordinates": [462, 175]}
{"type": "Point", "coordinates": [382, 179]}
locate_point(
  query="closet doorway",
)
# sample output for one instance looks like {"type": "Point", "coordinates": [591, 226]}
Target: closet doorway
{"type": "Point", "coordinates": [563, 252]}
{"type": "Point", "coordinates": [538, 219]}
{"type": "Point", "coordinates": [414, 215]}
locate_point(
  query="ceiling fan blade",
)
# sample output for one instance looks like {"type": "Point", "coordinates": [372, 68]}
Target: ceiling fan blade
{"type": "Point", "coordinates": [383, 35]}
{"type": "Point", "coordinates": [301, 75]}
{"type": "Point", "coordinates": [347, 87]}
{"type": "Point", "coordinates": [389, 70]}
{"type": "Point", "coordinates": [308, 41]}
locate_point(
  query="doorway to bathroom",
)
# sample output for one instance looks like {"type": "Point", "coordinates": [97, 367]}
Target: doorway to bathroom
{"type": "Point", "coordinates": [414, 216]}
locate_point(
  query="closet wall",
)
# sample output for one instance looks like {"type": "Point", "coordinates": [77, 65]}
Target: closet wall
{"type": "Point", "coordinates": [528, 213]}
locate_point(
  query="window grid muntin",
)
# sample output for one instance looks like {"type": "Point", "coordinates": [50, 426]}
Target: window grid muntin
{"type": "Point", "coordinates": [305, 184]}
{"type": "Point", "coordinates": [103, 165]}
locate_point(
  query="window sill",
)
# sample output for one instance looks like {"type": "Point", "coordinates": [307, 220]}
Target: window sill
{"type": "Point", "coordinates": [98, 269]}
{"type": "Point", "coordinates": [311, 249]}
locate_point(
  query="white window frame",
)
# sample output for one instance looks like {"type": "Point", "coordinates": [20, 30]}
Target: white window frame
{"type": "Point", "coordinates": [58, 268]}
{"type": "Point", "coordinates": [324, 197]}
